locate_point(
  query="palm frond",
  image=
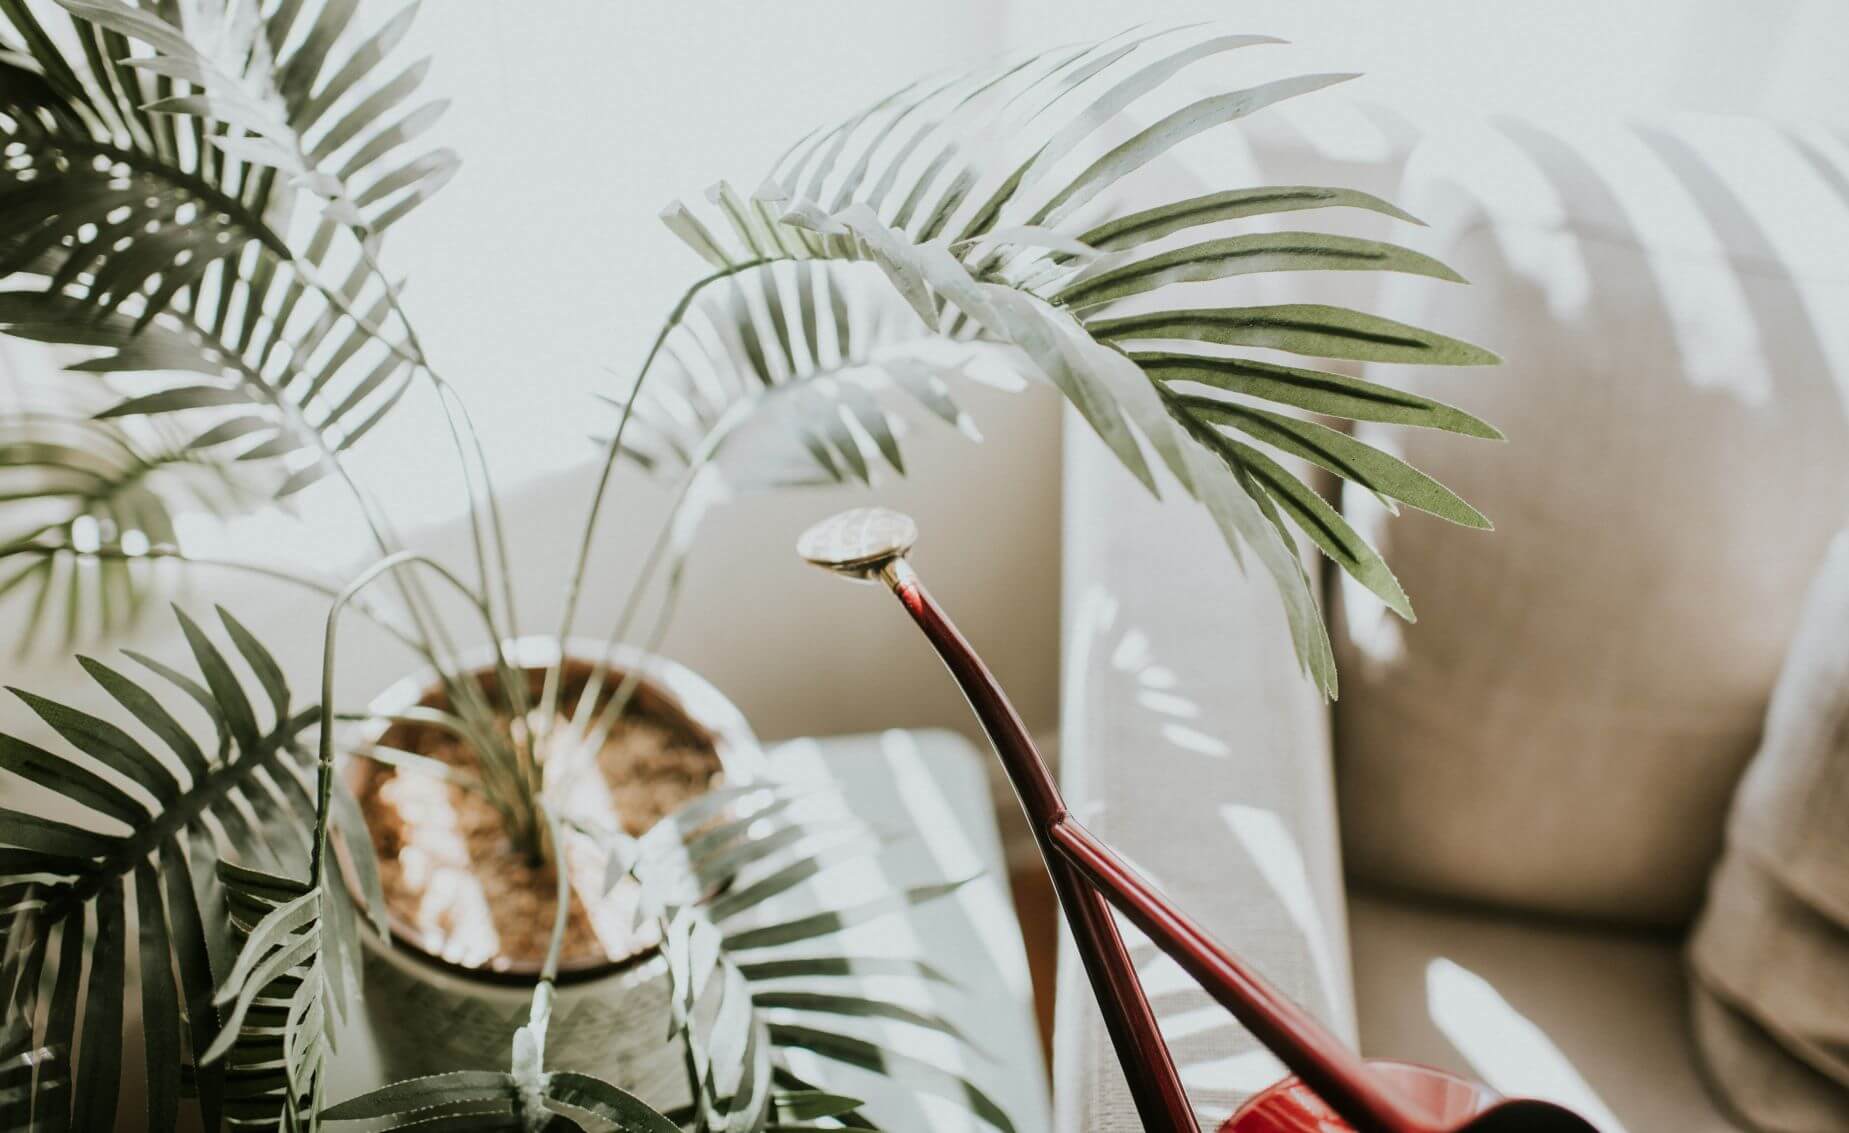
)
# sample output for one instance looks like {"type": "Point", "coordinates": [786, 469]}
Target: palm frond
{"type": "Point", "coordinates": [276, 1000]}
{"type": "Point", "coordinates": [797, 374]}
{"type": "Point", "coordinates": [89, 510]}
{"type": "Point", "coordinates": [148, 213]}
{"type": "Point", "coordinates": [151, 825]}
{"type": "Point", "coordinates": [301, 88]}
{"type": "Point", "coordinates": [726, 1045]}
{"type": "Point", "coordinates": [27, 1073]}
{"type": "Point", "coordinates": [750, 987]}
{"type": "Point", "coordinates": [986, 202]}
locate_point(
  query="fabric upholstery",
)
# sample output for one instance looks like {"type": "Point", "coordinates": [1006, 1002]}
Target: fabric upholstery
{"type": "Point", "coordinates": [1792, 811]}
{"type": "Point", "coordinates": [1190, 741]}
{"type": "Point", "coordinates": [1778, 960]}
{"type": "Point", "coordinates": [1770, 954]}
{"type": "Point", "coordinates": [1563, 728]}
{"type": "Point", "coordinates": [1188, 738]}
{"type": "Point", "coordinates": [1756, 1074]}
{"type": "Point", "coordinates": [1591, 1018]}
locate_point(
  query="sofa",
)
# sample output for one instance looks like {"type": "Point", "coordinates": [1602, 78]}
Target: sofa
{"type": "Point", "coordinates": [1486, 855]}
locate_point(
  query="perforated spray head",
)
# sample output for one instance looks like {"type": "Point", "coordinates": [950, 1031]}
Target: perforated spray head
{"type": "Point", "coordinates": [859, 544]}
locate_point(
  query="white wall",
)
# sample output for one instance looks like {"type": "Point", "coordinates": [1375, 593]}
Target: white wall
{"type": "Point", "coordinates": [539, 274]}
{"type": "Point", "coordinates": [538, 277]}
{"type": "Point", "coordinates": [1434, 57]}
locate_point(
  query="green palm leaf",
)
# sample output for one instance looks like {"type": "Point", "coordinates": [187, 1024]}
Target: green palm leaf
{"type": "Point", "coordinates": [797, 374]}
{"type": "Point", "coordinates": [984, 200]}
{"type": "Point", "coordinates": [275, 1038]}
{"type": "Point", "coordinates": [151, 211]}
{"type": "Point", "coordinates": [149, 817]}
{"type": "Point", "coordinates": [749, 986]}
{"type": "Point", "coordinates": [89, 510]}
{"type": "Point", "coordinates": [25, 1071]}
{"type": "Point", "coordinates": [299, 108]}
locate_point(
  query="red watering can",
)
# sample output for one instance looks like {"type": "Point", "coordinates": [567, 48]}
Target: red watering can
{"type": "Point", "coordinates": [1333, 1088]}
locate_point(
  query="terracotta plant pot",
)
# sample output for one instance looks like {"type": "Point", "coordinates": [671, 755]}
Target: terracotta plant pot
{"type": "Point", "coordinates": [432, 1014]}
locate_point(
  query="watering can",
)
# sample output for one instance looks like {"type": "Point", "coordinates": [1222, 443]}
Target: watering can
{"type": "Point", "coordinates": [1331, 1088]}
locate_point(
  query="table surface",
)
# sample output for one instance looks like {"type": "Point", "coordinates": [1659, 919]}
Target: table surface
{"type": "Point", "coordinates": [927, 793]}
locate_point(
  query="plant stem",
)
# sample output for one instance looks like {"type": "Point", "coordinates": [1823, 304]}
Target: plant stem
{"type": "Point", "coordinates": [409, 589]}
{"type": "Point", "coordinates": [593, 688]}
{"type": "Point", "coordinates": [376, 523]}
{"type": "Point", "coordinates": [454, 406]}
{"type": "Point", "coordinates": [465, 694]}
{"type": "Point", "coordinates": [708, 452]}
{"type": "Point", "coordinates": [619, 700]}
{"type": "Point", "coordinates": [513, 686]}
{"type": "Point", "coordinates": [561, 915]}
{"type": "Point", "coordinates": [325, 781]}
{"type": "Point", "coordinates": [548, 702]}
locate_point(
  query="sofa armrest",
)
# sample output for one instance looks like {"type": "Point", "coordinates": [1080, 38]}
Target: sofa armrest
{"type": "Point", "coordinates": [1189, 740]}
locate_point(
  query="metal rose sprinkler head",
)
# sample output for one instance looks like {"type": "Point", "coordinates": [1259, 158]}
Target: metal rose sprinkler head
{"type": "Point", "coordinates": [859, 544]}
{"type": "Point", "coordinates": [1334, 1088]}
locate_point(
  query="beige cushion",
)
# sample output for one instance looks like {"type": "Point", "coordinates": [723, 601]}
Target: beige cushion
{"type": "Point", "coordinates": [1563, 728]}
{"type": "Point", "coordinates": [1771, 951]}
{"type": "Point", "coordinates": [1792, 811]}
{"type": "Point", "coordinates": [1758, 1077]}
{"type": "Point", "coordinates": [1778, 960]}
{"type": "Point", "coordinates": [1590, 1018]}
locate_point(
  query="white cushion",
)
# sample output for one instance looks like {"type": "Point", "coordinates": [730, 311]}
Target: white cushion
{"type": "Point", "coordinates": [1563, 727]}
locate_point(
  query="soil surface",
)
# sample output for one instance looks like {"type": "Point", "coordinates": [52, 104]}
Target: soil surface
{"type": "Point", "coordinates": [458, 887]}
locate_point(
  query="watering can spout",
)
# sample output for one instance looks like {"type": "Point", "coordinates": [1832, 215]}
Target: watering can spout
{"type": "Point", "coordinates": [859, 544]}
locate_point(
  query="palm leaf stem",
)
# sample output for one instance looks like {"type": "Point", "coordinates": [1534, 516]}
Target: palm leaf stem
{"type": "Point", "coordinates": [450, 404]}
{"type": "Point", "coordinates": [527, 798]}
{"type": "Point", "coordinates": [453, 408]}
{"type": "Point", "coordinates": [734, 417]}
{"type": "Point", "coordinates": [185, 810]}
{"type": "Point", "coordinates": [664, 611]}
{"type": "Point", "coordinates": [460, 689]}
{"type": "Point", "coordinates": [555, 944]}
{"type": "Point", "coordinates": [434, 642]}
{"type": "Point", "coordinates": [574, 583]}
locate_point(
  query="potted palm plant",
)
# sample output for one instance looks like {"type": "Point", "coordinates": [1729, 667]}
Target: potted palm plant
{"type": "Point", "coordinates": [197, 197]}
